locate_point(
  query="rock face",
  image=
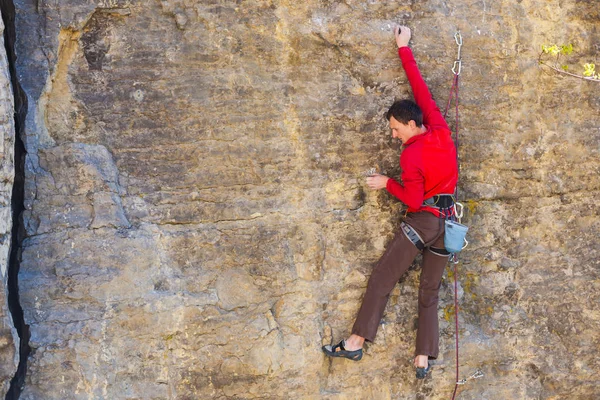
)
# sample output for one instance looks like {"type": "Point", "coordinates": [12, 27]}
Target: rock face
{"type": "Point", "coordinates": [197, 221]}
{"type": "Point", "coordinates": [9, 340]}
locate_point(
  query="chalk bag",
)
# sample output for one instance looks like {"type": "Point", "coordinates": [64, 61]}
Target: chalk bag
{"type": "Point", "coordinates": [455, 236]}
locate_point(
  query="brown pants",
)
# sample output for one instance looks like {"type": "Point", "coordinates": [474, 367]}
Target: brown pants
{"type": "Point", "coordinates": [391, 266]}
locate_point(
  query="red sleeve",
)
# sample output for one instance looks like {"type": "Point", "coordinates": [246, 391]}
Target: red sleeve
{"type": "Point", "coordinates": [431, 113]}
{"type": "Point", "coordinates": [411, 191]}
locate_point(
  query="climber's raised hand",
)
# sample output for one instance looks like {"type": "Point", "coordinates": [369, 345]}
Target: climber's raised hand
{"type": "Point", "coordinates": [403, 35]}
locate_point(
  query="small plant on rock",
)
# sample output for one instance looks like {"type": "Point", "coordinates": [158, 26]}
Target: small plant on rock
{"type": "Point", "coordinates": [589, 69]}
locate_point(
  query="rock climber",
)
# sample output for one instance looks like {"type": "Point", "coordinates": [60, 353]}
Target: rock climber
{"type": "Point", "coordinates": [429, 176]}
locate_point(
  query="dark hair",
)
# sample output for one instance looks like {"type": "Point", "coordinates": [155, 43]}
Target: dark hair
{"type": "Point", "coordinates": [404, 111]}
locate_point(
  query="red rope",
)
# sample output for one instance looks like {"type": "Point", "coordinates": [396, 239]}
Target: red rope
{"type": "Point", "coordinates": [456, 325]}
{"type": "Point", "coordinates": [456, 129]}
{"type": "Point", "coordinates": [454, 92]}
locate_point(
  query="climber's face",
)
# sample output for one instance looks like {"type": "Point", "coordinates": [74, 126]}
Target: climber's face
{"type": "Point", "coordinates": [402, 131]}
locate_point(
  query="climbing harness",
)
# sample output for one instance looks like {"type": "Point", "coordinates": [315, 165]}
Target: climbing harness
{"type": "Point", "coordinates": [443, 203]}
{"type": "Point", "coordinates": [455, 231]}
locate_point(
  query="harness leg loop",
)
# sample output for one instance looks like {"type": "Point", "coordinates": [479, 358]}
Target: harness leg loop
{"type": "Point", "coordinates": [412, 235]}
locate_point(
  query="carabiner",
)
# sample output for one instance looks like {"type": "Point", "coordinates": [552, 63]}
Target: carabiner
{"type": "Point", "coordinates": [478, 374]}
{"type": "Point", "coordinates": [458, 38]}
{"type": "Point", "coordinates": [458, 210]}
{"type": "Point", "coordinates": [459, 42]}
{"type": "Point", "coordinates": [459, 67]}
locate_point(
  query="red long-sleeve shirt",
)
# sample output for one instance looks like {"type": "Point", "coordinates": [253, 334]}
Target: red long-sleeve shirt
{"type": "Point", "coordinates": [428, 160]}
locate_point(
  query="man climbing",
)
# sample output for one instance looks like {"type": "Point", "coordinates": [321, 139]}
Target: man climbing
{"type": "Point", "coordinates": [429, 176]}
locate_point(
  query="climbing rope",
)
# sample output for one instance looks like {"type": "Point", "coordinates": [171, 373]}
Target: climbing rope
{"type": "Point", "coordinates": [458, 208]}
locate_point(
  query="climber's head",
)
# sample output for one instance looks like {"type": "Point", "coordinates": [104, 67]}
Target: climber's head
{"type": "Point", "coordinates": [406, 119]}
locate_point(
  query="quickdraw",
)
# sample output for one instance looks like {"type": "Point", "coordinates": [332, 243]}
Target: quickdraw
{"type": "Point", "coordinates": [478, 374]}
{"type": "Point", "coordinates": [458, 62]}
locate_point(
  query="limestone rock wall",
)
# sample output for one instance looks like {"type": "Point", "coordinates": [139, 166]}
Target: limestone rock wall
{"type": "Point", "coordinates": [9, 340]}
{"type": "Point", "coordinates": [198, 223]}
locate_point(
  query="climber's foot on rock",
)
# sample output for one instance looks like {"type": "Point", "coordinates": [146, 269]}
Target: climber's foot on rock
{"type": "Point", "coordinates": [350, 349]}
{"type": "Point", "coordinates": [422, 366]}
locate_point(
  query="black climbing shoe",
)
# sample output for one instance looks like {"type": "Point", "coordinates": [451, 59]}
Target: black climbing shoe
{"type": "Point", "coordinates": [422, 372]}
{"type": "Point", "coordinates": [339, 351]}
